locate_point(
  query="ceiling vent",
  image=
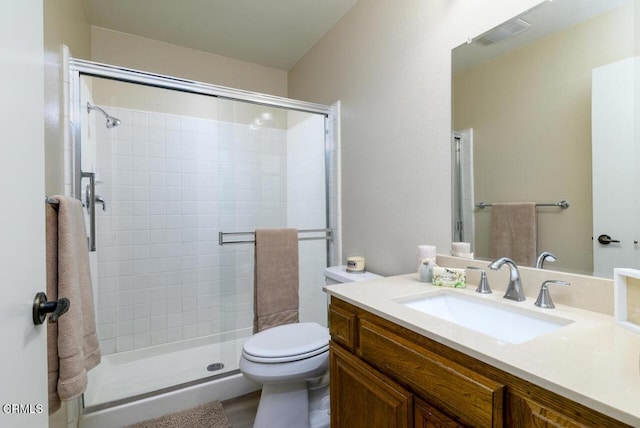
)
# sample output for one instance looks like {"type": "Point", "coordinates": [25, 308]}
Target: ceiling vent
{"type": "Point", "coordinates": [506, 30]}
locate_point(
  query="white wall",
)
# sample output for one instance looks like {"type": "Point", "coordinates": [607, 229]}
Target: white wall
{"type": "Point", "coordinates": [389, 65]}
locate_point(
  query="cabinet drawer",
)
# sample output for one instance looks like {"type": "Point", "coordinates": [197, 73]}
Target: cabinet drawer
{"type": "Point", "coordinates": [342, 326]}
{"type": "Point", "coordinates": [463, 394]}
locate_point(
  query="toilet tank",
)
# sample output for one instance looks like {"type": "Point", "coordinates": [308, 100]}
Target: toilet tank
{"type": "Point", "coordinates": [339, 275]}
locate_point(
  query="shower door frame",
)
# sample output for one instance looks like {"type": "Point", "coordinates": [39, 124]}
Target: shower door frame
{"type": "Point", "coordinates": [80, 67]}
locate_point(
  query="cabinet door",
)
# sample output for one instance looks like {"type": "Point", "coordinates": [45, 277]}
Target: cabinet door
{"type": "Point", "coordinates": [427, 416]}
{"type": "Point", "coordinates": [363, 398]}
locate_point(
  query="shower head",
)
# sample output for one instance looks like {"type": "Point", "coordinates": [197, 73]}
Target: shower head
{"type": "Point", "coordinates": [112, 122]}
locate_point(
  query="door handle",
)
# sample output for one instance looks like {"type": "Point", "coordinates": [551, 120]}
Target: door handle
{"type": "Point", "coordinates": [91, 207]}
{"type": "Point", "coordinates": [606, 240]}
{"type": "Point", "coordinates": [100, 200]}
{"type": "Point", "coordinates": [41, 307]}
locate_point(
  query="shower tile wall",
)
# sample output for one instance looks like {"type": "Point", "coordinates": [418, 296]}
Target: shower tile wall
{"type": "Point", "coordinates": [171, 183]}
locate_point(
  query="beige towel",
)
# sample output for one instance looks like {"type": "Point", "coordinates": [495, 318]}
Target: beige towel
{"type": "Point", "coordinates": [72, 343]}
{"type": "Point", "coordinates": [275, 300]}
{"type": "Point", "coordinates": [514, 232]}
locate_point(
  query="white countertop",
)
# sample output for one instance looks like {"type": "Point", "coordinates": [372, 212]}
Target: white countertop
{"type": "Point", "coordinates": [592, 361]}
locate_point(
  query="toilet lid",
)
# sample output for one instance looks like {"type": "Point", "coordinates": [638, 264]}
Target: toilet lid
{"type": "Point", "coordinates": [289, 342]}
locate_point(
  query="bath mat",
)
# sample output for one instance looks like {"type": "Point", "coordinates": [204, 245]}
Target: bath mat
{"type": "Point", "coordinates": [210, 415]}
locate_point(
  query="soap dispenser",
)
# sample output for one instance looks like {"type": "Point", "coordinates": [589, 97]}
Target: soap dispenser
{"type": "Point", "coordinates": [426, 270]}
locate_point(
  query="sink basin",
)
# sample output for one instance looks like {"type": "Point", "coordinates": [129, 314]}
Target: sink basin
{"type": "Point", "coordinates": [495, 319]}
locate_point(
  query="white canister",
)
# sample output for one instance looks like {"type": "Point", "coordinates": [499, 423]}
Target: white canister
{"type": "Point", "coordinates": [355, 264]}
{"type": "Point", "coordinates": [426, 252]}
{"type": "Point", "coordinates": [460, 248]}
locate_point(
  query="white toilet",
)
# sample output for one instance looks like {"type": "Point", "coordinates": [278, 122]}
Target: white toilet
{"type": "Point", "coordinates": [292, 363]}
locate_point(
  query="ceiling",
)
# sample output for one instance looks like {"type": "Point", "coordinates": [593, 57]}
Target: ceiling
{"type": "Point", "coordinates": [545, 19]}
{"type": "Point", "coordinates": [273, 33]}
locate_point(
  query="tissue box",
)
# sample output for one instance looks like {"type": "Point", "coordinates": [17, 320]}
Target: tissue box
{"type": "Point", "coordinates": [449, 277]}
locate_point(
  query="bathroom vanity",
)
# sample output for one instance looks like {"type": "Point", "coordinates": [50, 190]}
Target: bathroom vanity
{"type": "Point", "coordinates": [394, 366]}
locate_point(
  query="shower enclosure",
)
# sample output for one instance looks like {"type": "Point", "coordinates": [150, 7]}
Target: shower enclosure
{"type": "Point", "coordinates": [463, 185]}
{"type": "Point", "coordinates": [182, 167]}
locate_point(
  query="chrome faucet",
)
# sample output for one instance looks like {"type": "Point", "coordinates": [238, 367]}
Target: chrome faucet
{"type": "Point", "coordinates": [545, 255]}
{"type": "Point", "coordinates": [514, 289]}
{"type": "Point", "coordinates": [544, 298]}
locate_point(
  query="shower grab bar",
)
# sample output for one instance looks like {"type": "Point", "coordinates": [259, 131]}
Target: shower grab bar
{"type": "Point", "coordinates": [51, 201]}
{"type": "Point", "coordinates": [328, 234]}
{"type": "Point", "coordinates": [564, 204]}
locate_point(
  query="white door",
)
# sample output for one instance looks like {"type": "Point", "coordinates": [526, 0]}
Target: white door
{"type": "Point", "coordinates": [23, 362]}
{"type": "Point", "coordinates": [615, 162]}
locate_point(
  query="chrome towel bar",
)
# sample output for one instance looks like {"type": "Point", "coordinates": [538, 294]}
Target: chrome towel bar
{"type": "Point", "coordinates": [327, 236]}
{"type": "Point", "coordinates": [564, 204]}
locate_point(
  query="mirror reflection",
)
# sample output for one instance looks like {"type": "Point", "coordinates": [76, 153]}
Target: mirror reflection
{"type": "Point", "coordinates": [543, 112]}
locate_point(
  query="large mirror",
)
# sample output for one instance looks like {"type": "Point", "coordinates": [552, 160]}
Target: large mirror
{"type": "Point", "coordinates": [529, 118]}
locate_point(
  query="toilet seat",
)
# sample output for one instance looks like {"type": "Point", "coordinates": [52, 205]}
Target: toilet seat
{"type": "Point", "coordinates": [286, 343]}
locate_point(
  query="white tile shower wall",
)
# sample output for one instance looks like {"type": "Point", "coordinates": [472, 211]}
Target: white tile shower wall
{"type": "Point", "coordinates": [171, 183]}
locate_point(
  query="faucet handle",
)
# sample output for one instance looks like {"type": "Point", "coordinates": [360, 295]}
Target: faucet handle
{"type": "Point", "coordinates": [483, 286]}
{"type": "Point", "coordinates": [544, 298]}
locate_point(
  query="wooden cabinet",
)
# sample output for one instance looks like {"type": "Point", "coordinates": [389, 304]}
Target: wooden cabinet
{"type": "Point", "coordinates": [367, 398]}
{"type": "Point", "coordinates": [384, 375]}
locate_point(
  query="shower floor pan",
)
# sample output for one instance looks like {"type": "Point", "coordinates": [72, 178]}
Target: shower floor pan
{"type": "Point", "coordinates": [142, 371]}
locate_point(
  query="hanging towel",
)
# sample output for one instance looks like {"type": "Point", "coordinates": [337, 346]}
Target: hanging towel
{"type": "Point", "coordinates": [275, 300]}
{"type": "Point", "coordinates": [514, 232]}
{"type": "Point", "coordinates": [72, 343]}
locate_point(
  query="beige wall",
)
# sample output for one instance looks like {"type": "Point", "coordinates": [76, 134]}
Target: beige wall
{"type": "Point", "coordinates": [531, 115]}
{"type": "Point", "coordinates": [65, 23]}
{"type": "Point", "coordinates": [112, 47]}
{"type": "Point", "coordinates": [390, 65]}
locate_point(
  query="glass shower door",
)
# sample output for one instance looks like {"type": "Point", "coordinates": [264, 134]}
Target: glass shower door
{"type": "Point", "coordinates": [174, 306]}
